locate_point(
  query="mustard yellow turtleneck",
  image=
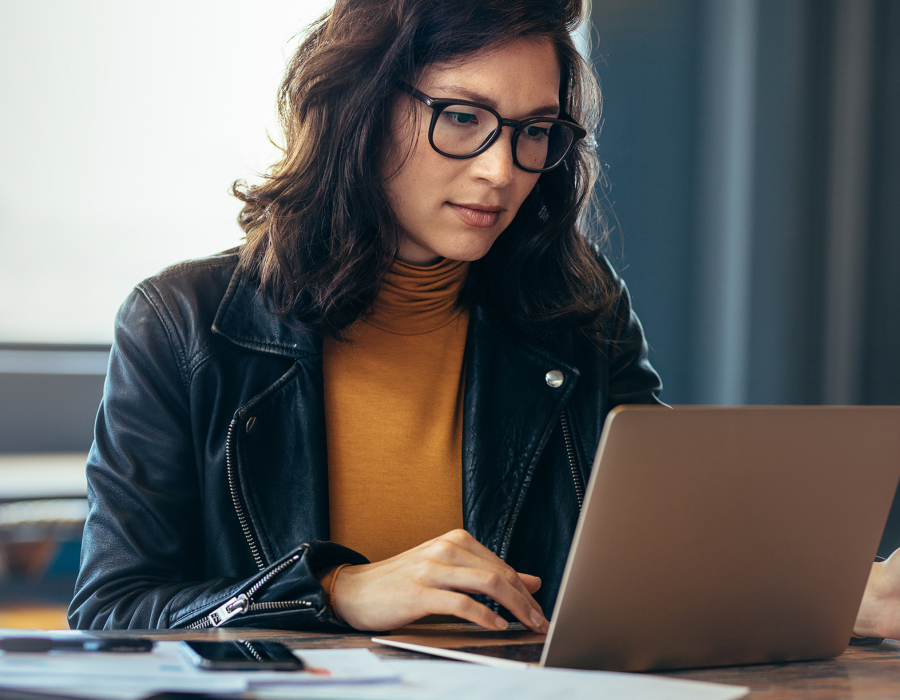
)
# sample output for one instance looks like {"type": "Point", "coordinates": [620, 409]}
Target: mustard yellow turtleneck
{"type": "Point", "coordinates": [393, 412]}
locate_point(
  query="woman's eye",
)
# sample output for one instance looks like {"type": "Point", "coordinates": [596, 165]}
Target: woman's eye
{"type": "Point", "coordinates": [461, 118]}
{"type": "Point", "coordinates": [536, 132]}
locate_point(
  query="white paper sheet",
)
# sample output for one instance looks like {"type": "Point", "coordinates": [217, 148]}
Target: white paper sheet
{"type": "Point", "coordinates": [117, 676]}
{"type": "Point", "coordinates": [113, 675]}
{"type": "Point", "coordinates": [354, 674]}
{"type": "Point", "coordinates": [450, 680]}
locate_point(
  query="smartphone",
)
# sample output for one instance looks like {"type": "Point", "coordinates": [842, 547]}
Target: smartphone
{"type": "Point", "coordinates": [242, 655]}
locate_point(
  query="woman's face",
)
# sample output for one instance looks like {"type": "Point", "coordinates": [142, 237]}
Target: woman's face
{"type": "Point", "coordinates": [455, 209]}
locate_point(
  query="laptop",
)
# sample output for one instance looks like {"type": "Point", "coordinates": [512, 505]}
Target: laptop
{"type": "Point", "coordinates": [712, 536]}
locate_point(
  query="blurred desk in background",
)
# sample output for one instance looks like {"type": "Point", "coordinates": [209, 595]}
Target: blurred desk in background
{"type": "Point", "coordinates": [27, 477]}
{"type": "Point", "coordinates": [43, 506]}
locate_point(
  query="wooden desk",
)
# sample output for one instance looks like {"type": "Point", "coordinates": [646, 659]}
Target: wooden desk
{"type": "Point", "coordinates": [859, 673]}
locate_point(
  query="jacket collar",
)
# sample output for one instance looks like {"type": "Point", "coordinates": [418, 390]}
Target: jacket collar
{"type": "Point", "coordinates": [245, 320]}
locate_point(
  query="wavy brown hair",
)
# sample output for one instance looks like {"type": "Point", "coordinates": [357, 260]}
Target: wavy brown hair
{"type": "Point", "coordinates": [320, 234]}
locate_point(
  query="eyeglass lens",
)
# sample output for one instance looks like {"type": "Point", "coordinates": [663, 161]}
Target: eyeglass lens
{"type": "Point", "coordinates": [460, 130]}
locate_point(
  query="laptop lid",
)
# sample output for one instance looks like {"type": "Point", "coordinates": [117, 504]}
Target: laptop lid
{"type": "Point", "coordinates": [714, 536]}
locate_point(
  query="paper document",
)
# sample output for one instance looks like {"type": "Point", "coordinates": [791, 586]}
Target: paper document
{"type": "Point", "coordinates": [450, 680]}
{"type": "Point", "coordinates": [351, 673]}
{"type": "Point", "coordinates": [121, 676]}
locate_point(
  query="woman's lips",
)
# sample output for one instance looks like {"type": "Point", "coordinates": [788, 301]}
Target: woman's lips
{"type": "Point", "coordinates": [476, 215]}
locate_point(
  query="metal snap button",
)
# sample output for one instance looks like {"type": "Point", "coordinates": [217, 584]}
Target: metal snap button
{"type": "Point", "coordinates": [251, 424]}
{"type": "Point", "coordinates": [554, 378]}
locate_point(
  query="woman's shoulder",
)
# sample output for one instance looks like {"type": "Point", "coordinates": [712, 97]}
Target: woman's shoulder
{"type": "Point", "coordinates": [198, 283]}
{"type": "Point", "coordinates": [614, 290]}
{"type": "Point", "coordinates": [203, 307]}
{"type": "Point", "coordinates": [177, 308]}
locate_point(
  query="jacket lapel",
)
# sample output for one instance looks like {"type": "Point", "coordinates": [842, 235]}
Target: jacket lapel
{"type": "Point", "coordinates": [281, 439]}
{"type": "Point", "coordinates": [244, 319]}
{"type": "Point", "coordinates": [510, 410]}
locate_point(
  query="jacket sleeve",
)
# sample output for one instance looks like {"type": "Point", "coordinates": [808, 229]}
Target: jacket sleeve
{"type": "Point", "coordinates": [142, 562]}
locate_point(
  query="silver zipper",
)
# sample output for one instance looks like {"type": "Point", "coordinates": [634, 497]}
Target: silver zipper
{"type": "Point", "coordinates": [235, 497]}
{"type": "Point", "coordinates": [272, 574]}
{"type": "Point", "coordinates": [279, 605]}
{"type": "Point", "coordinates": [243, 602]}
{"type": "Point", "coordinates": [231, 608]}
{"type": "Point", "coordinates": [249, 647]}
{"type": "Point", "coordinates": [576, 477]}
{"type": "Point", "coordinates": [573, 461]}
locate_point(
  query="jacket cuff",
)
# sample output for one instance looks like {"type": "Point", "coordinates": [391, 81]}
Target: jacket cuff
{"type": "Point", "coordinates": [285, 595]}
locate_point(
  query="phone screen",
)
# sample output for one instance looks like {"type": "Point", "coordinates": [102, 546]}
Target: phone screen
{"type": "Point", "coordinates": [243, 655]}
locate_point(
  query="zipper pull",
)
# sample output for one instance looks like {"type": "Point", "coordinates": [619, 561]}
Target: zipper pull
{"type": "Point", "coordinates": [231, 608]}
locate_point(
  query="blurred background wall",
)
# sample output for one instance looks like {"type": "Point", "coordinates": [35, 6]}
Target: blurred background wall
{"type": "Point", "coordinates": [123, 126]}
{"type": "Point", "coordinates": [752, 152]}
{"type": "Point", "coordinates": [754, 166]}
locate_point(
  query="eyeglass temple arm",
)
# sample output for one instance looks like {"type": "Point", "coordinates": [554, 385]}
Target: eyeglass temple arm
{"type": "Point", "coordinates": [407, 88]}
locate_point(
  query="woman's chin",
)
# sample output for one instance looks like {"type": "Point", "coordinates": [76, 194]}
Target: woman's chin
{"type": "Point", "coordinates": [465, 248]}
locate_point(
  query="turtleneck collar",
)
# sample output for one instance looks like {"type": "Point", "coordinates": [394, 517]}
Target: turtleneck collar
{"type": "Point", "coordinates": [413, 299]}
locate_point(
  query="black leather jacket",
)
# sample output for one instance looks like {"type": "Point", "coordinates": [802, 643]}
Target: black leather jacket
{"type": "Point", "coordinates": [208, 478]}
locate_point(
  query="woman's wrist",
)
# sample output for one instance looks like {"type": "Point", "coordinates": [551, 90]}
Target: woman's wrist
{"type": "Point", "coordinates": [327, 581]}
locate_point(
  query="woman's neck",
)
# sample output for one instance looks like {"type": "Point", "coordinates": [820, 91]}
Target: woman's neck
{"type": "Point", "coordinates": [418, 298]}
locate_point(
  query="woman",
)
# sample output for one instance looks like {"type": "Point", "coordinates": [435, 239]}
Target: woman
{"type": "Point", "coordinates": [408, 362]}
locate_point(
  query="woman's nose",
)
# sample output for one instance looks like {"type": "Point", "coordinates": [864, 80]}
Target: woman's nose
{"type": "Point", "coordinates": [496, 163]}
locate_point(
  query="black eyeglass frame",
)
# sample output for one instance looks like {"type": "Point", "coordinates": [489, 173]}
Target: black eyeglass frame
{"type": "Point", "coordinates": [438, 106]}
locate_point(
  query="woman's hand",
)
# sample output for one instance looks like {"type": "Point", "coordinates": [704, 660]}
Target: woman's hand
{"type": "Point", "coordinates": [879, 612]}
{"type": "Point", "coordinates": [433, 579]}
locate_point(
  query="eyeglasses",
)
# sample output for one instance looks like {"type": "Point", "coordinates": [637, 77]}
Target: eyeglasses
{"type": "Point", "coordinates": [463, 129]}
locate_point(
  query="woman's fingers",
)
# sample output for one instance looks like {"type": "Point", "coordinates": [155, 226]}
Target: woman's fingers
{"type": "Point", "coordinates": [532, 583]}
{"type": "Point", "coordinates": [494, 584]}
{"type": "Point", "coordinates": [469, 543]}
{"type": "Point", "coordinates": [464, 540]}
{"type": "Point", "coordinates": [443, 602]}
{"type": "Point", "coordinates": [458, 548]}
{"type": "Point", "coordinates": [435, 578]}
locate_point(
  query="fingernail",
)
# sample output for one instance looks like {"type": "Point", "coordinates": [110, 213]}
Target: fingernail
{"type": "Point", "coordinates": [500, 623]}
{"type": "Point", "coordinates": [537, 619]}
